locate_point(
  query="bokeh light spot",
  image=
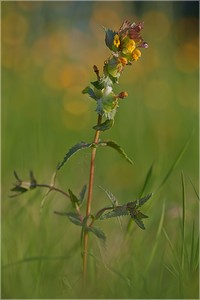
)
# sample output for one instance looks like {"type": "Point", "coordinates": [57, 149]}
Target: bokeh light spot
{"type": "Point", "coordinates": [186, 57]}
{"type": "Point", "coordinates": [187, 93]}
{"type": "Point", "coordinates": [74, 103]}
{"type": "Point", "coordinates": [72, 75]}
{"type": "Point", "coordinates": [103, 12]}
{"type": "Point", "coordinates": [14, 29]}
{"type": "Point", "coordinates": [49, 47]}
{"type": "Point", "coordinates": [59, 74]}
{"type": "Point", "coordinates": [158, 25]}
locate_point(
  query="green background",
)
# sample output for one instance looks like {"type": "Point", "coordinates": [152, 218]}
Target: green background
{"type": "Point", "coordinates": [48, 50]}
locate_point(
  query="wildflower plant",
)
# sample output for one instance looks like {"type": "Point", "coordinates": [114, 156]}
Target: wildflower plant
{"type": "Point", "coordinates": [125, 47]}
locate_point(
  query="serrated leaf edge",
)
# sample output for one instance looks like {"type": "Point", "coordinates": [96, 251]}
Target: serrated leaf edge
{"type": "Point", "coordinates": [72, 151]}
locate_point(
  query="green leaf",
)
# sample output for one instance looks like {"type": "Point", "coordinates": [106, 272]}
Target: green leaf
{"type": "Point", "coordinates": [98, 232]}
{"type": "Point", "coordinates": [82, 194]}
{"type": "Point", "coordinates": [73, 198]}
{"type": "Point", "coordinates": [88, 90]}
{"type": "Point", "coordinates": [109, 38]}
{"type": "Point", "coordinates": [99, 85]}
{"type": "Point", "coordinates": [72, 216]}
{"type": "Point", "coordinates": [129, 208]}
{"type": "Point", "coordinates": [116, 212]}
{"type": "Point", "coordinates": [105, 125]}
{"type": "Point", "coordinates": [19, 189]}
{"type": "Point", "coordinates": [144, 199]}
{"type": "Point", "coordinates": [73, 150]}
{"type": "Point", "coordinates": [115, 146]}
{"type": "Point", "coordinates": [110, 196]}
{"type": "Point", "coordinates": [84, 227]}
{"type": "Point", "coordinates": [137, 216]}
{"type": "Point", "coordinates": [139, 202]}
{"type": "Point", "coordinates": [139, 223]}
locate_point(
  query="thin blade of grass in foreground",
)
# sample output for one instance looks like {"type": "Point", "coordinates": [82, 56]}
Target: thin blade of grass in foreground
{"type": "Point", "coordinates": [147, 179]}
{"type": "Point", "coordinates": [183, 219]}
{"type": "Point", "coordinates": [194, 251]}
{"type": "Point", "coordinates": [160, 226]}
{"type": "Point", "coordinates": [173, 251]}
{"type": "Point", "coordinates": [175, 163]}
{"type": "Point", "coordinates": [197, 194]}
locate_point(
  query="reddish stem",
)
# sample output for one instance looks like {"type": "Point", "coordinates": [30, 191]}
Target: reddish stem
{"type": "Point", "coordinates": [89, 199]}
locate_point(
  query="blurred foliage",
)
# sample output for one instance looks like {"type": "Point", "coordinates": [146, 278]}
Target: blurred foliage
{"type": "Point", "coordinates": [48, 50]}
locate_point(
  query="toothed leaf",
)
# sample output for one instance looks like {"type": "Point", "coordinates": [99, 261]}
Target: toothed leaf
{"type": "Point", "coordinates": [82, 194]}
{"type": "Point", "coordinates": [98, 232]}
{"type": "Point", "coordinates": [104, 126]}
{"type": "Point", "coordinates": [88, 90]}
{"type": "Point", "coordinates": [116, 212]}
{"type": "Point", "coordinates": [139, 223]}
{"type": "Point", "coordinates": [115, 146]}
{"type": "Point", "coordinates": [73, 198]}
{"type": "Point", "coordinates": [144, 199]}
{"type": "Point", "coordinates": [110, 196]}
{"type": "Point", "coordinates": [109, 38]}
{"type": "Point", "coordinates": [72, 216]}
{"type": "Point", "coordinates": [73, 150]}
{"type": "Point", "coordinates": [99, 85]}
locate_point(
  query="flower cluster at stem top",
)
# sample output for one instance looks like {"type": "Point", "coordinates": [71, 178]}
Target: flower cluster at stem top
{"type": "Point", "coordinates": [124, 46]}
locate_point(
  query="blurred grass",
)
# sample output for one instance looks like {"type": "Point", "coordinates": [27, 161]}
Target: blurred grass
{"type": "Point", "coordinates": [48, 50]}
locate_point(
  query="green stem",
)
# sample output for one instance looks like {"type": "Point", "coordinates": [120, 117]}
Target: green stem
{"type": "Point", "coordinates": [89, 199]}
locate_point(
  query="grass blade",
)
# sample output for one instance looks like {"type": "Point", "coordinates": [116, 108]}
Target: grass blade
{"type": "Point", "coordinates": [192, 250]}
{"type": "Point", "coordinates": [147, 179]}
{"type": "Point", "coordinates": [183, 219]}
{"type": "Point", "coordinates": [195, 190]}
{"type": "Point", "coordinates": [172, 249]}
{"type": "Point", "coordinates": [175, 163]}
{"type": "Point", "coordinates": [160, 226]}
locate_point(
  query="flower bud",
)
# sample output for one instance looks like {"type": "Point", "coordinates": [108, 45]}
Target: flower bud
{"type": "Point", "coordinates": [122, 95]}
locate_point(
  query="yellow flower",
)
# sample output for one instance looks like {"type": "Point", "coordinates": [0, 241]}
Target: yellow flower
{"type": "Point", "coordinates": [128, 46]}
{"type": "Point", "coordinates": [116, 41]}
{"type": "Point", "coordinates": [136, 54]}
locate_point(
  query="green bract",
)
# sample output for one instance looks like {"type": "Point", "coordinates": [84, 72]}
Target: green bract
{"type": "Point", "coordinates": [107, 104]}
